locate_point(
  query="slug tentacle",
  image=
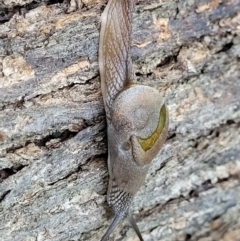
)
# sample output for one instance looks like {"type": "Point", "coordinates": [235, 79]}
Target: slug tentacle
{"type": "Point", "coordinates": [135, 227]}
{"type": "Point", "coordinates": [116, 220]}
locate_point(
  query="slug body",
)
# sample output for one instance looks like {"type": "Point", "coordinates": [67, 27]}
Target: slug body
{"type": "Point", "coordinates": [137, 118]}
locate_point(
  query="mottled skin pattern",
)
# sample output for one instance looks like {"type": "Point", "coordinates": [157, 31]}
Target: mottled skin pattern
{"type": "Point", "coordinates": [136, 115]}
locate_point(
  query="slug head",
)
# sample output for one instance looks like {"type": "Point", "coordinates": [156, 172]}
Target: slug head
{"type": "Point", "coordinates": [136, 133]}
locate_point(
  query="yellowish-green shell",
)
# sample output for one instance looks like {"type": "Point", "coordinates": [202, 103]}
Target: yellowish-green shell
{"type": "Point", "coordinates": [148, 143]}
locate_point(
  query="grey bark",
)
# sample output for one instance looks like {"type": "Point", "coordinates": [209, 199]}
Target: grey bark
{"type": "Point", "coordinates": [53, 146]}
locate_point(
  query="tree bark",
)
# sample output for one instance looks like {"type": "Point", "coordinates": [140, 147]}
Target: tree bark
{"type": "Point", "coordinates": [53, 144]}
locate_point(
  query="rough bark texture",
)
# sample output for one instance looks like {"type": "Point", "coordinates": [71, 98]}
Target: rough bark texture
{"type": "Point", "coordinates": [53, 149]}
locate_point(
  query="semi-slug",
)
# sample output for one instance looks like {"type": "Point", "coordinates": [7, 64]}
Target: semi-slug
{"type": "Point", "coordinates": [137, 118]}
